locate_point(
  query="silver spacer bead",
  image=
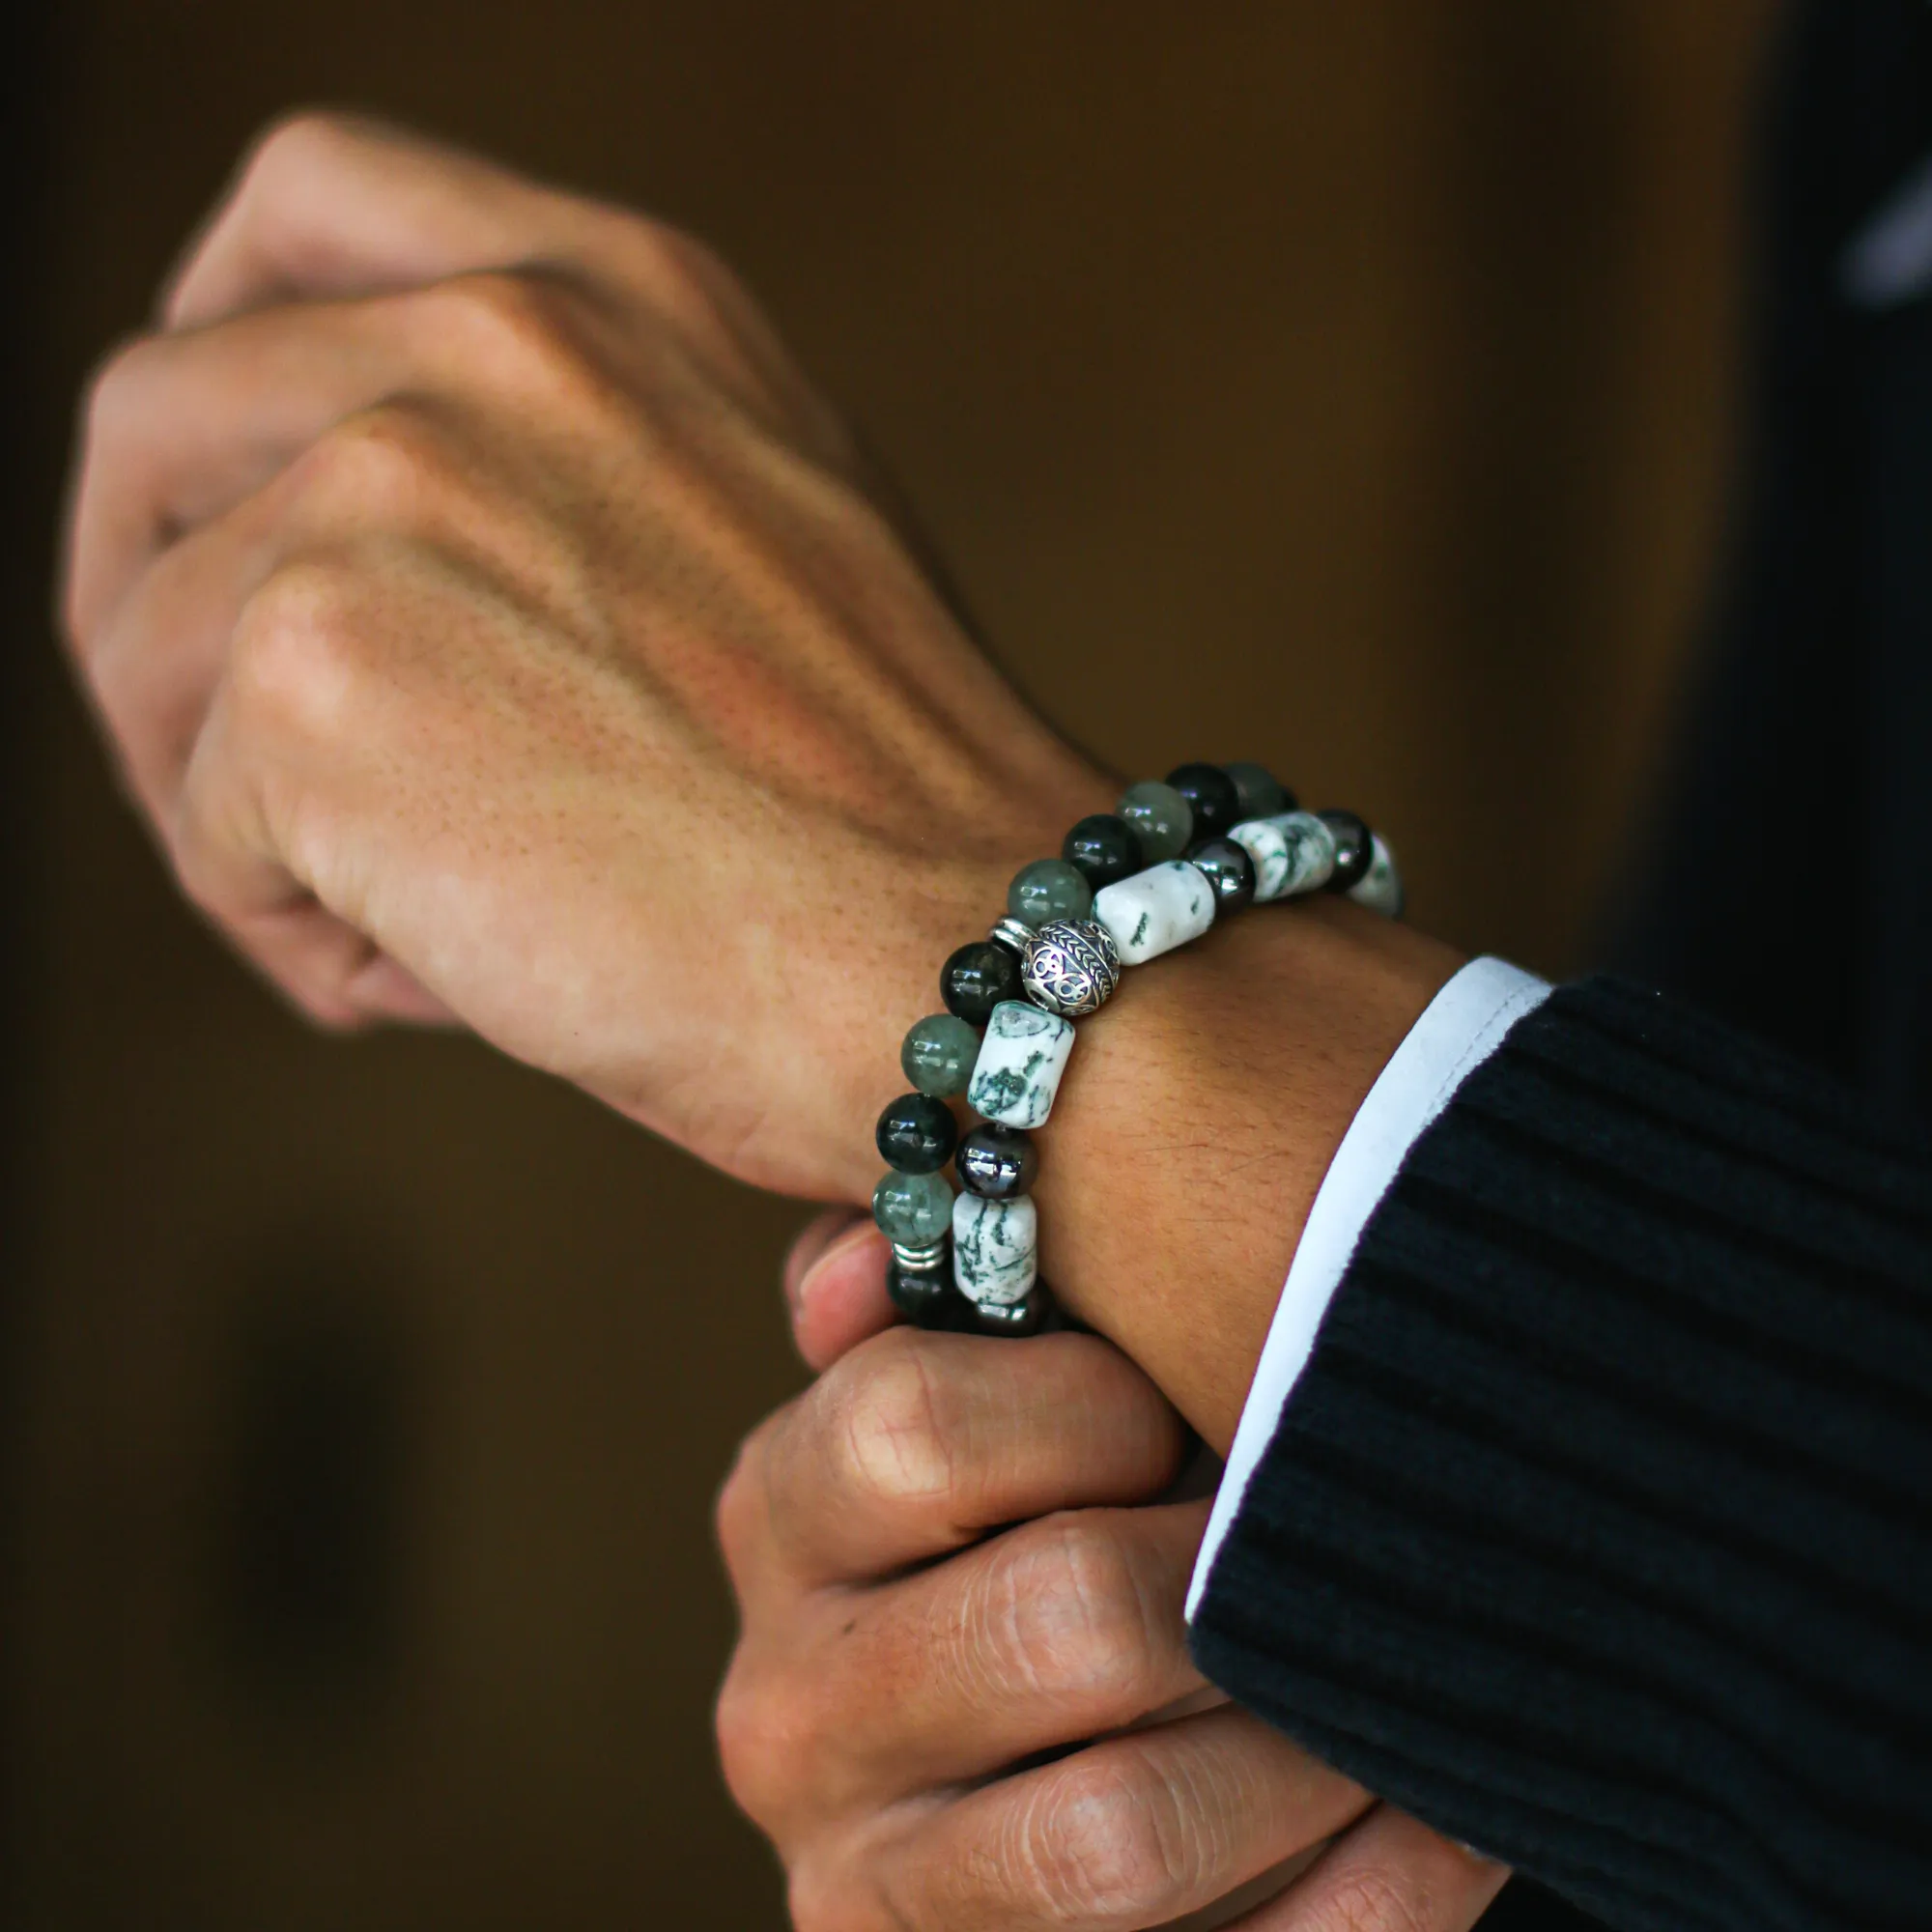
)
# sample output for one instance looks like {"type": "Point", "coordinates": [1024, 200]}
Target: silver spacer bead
{"type": "Point", "coordinates": [1014, 934]}
{"type": "Point", "coordinates": [1012, 1318]}
{"type": "Point", "coordinates": [927, 1258]}
{"type": "Point", "coordinates": [1071, 967]}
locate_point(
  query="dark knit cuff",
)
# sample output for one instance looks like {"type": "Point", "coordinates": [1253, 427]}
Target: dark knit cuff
{"type": "Point", "coordinates": [1598, 1531]}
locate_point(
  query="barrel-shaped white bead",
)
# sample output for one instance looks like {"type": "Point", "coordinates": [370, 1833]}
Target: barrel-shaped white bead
{"type": "Point", "coordinates": [1293, 853]}
{"type": "Point", "coordinates": [1020, 1062]}
{"type": "Point", "coordinates": [1156, 910]}
{"type": "Point", "coordinates": [995, 1248]}
{"type": "Point", "coordinates": [1380, 888]}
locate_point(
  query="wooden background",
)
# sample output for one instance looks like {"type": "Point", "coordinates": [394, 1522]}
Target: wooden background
{"type": "Point", "coordinates": [1359, 373]}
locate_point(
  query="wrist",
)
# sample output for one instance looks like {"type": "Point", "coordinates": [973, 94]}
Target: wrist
{"type": "Point", "coordinates": [1196, 1127]}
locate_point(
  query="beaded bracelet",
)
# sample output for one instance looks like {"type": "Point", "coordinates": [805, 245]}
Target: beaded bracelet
{"type": "Point", "coordinates": [1128, 886]}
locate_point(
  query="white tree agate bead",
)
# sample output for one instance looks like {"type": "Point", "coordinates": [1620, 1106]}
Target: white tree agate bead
{"type": "Point", "coordinates": [1156, 910]}
{"type": "Point", "coordinates": [1071, 967]}
{"type": "Point", "coordinates": [995, 1249]}
{"type": "Point", "coordinates": [1294, 852]}
{"type": "Point", "coordinates": [1020, 1062]}
{"type": "Point", "coordinates": [1380, 888]}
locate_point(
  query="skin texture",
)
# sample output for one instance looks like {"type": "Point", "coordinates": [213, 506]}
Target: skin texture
{"type": "Point", "coordinates": [906, 1663]}
{"type": "Point", "coordinates": [495, 628]}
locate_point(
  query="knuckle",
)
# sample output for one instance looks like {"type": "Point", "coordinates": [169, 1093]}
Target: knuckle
{"type": "Point", "coordinates": [887, 1426]}
{"type": "Point", "coordinates": [1066, 1609]}
{"type": "Point", "coordinates": [112, 395]}
{"type": "Point", "coordinates": [525, 328]}
{"type": "Point", "coordinates": [752, 1750]}
{"type": "Point", "coordinates": [742, 1516]}
{"type": "Point", "coordinates": [294, 145]}
{"type": "Point", "coordinates": [1099, 1844]}
{"type": "Point", "coordinates": [389, 466]}
{"type": "Point", "coordinates": [293, 666]}
{"type": "Point", "coordinates": [1368, 1900]}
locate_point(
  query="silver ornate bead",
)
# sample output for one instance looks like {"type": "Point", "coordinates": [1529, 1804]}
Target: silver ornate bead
{"type": "Point", "coordinates": [1071, 967]}
{"type": "Point", "coordinates": [1014, 934]}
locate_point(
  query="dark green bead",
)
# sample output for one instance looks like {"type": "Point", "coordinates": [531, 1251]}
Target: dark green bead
{"type": "Point", "coordinates": [1260, 793]}
{"type": "Point", "coordinates": [1049, 889]}
{"type": "Point", "coordinates": [916, 1134]}
{"type": "Point", "coordinates": [918, 1293]}
{"type": "Point", "coordinates": [976, 978]}
{"type": "Point", "coordinates": [1211, 797]}
{"type": "Point", "coordinates": [1355, 849]}
{"type": "Point", "coordinates": [1105, 849]}
{"type": "Point", "coordinates": [938, 1054]}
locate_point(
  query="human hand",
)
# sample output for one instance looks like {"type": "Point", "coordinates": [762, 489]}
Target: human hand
{"type": "Point", "coordinates": [904, 1664]}
{"type": "Point", "coordinates": [492, 623]}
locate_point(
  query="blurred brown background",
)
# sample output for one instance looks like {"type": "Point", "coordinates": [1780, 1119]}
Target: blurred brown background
{"type": "Point", "coordinates": [1361, 372]}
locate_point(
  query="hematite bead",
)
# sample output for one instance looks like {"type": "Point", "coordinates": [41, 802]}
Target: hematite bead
{"type": "Point", "coordinates": [916, 1134]}
{"type": "Point", "coordinates": [1211, 797]}
{"type": "Point", "coordinates": [1048, 889]}
{"type": "Point", "coordinates": [976, 978]}
{"type": "Point", "coordinates": [913, 1208]}
{"type": "Point", "coordinates": [1227, 868]}
{"type": "Point", "coordinates": [938, 1054]}
{"type": "Point", "coordinates": [1260, 793]}
{"type": "Point", "coordinates": [1015, 1318]}
{"type": "Point", "coordinates": [995, 1163]}
{"type": "Point", "coordinates": [1354, 848]}
{"type": "Point", "coordinates": [1071, 968]}
{"type": "Point", "coordinates": [1162, 820]}
{"type": "Point", "coordinates": [1105, 849]}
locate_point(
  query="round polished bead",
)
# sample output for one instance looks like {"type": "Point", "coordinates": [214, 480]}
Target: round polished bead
{"type": "Point", "coordinates": [1227, 868]}
{"type": "Point", "coordinates": [976, 978]}
{"type": "Point", "coordinates": [1260, 793]}
{"type": "Point", "coordinates": [914, 1208]}
{"type": "Point", "coordinates": [1071, 968]}
{"type": "Point", "coordinates": [918, 1294]}
{"type": "Point", "coordinates": [1048, 889]}
{"type": "Point", "coordinates": [997, 1163]}
{"type": "Point", "coordinates": [1211, 797]}
{"type": "Point", "coordinates": [1162, 820]}
{"type": "Point", "coordinates": [1354, 848]}
{"type": "Point", "coordinates": [916, 1134]}
{"type": "Point", "coordinates": [938, 1054]}
{"type": "Point", "coordinates": [1105, 849]}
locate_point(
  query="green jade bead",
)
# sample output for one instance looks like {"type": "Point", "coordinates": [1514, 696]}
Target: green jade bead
{"type": "Point", "coordinates": [1162, 818]}
{"type": "Point", "coordinates": [916, 1208]}
{"type": "Point", "coordinates": [1049, 889]}
{"type": "Point", "coordinates": [938, 1055]}
{"type": "Point", "coordinates": [1260, 793]}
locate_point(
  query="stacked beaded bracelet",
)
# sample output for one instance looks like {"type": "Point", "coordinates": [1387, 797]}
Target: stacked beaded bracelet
{"type": "Point", "coordinates": [1128, 886]}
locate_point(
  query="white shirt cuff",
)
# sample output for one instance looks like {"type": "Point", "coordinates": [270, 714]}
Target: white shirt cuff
{"type": "Point", "coordinates": [1462, 1025]}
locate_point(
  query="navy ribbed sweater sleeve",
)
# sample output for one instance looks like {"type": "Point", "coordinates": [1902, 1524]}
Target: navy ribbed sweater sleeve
{"type": "Point", "coordinates": [1598, 1531]}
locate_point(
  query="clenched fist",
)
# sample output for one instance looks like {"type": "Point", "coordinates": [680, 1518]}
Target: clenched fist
{"type": "Point", "coordinates": [494, 624]}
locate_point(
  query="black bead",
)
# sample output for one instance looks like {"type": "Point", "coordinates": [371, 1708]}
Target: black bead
{"type": "Point", "coordinates": [1354, 848]}
{"type": "Point", "coordinates": [976, 978]}
{"type": "Point", "coordinates": [997, 1163]}
{"type": "Point", "coordinates": [916, 1134]}
{"type": "Point", "coordinates": [1212, 793]}
{"type": "Point", "coordinates": [1104, 848]}
{"type": "Point", "coordinates": [1227, 868]}
{"type": "Point", "coordinates": [918, 1293]}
